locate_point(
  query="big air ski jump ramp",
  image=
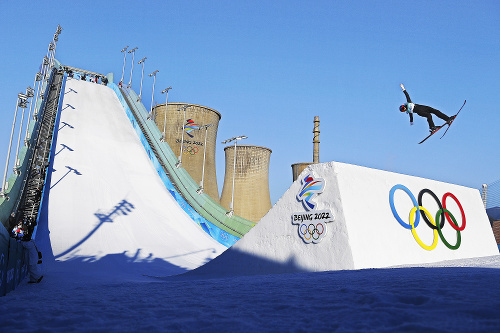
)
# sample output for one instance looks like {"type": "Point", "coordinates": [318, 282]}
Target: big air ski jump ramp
{"type": "Point", "coordinates": [106, 198]}
{"type": "Point", "coordinates": [339, 216]}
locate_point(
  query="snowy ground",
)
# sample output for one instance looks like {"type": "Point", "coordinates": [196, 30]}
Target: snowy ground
{"type": "Point", "coordinates": [79, 296]}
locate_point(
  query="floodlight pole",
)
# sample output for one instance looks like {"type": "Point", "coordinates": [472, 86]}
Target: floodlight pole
{"type": "Point", "coordinates": [163, 138]}
{"type": "Point", "coordinates": [124, 51]}
{"type": "Point", "coordinates": [52, 50]}
{"type": "Point", "coordinates": [54, 42]}
{"type": "Point", "coordinates": [20, 100]}
{"type": "Point", "coordinates": [45, 67]}
{"type": "Point", "coordinates": [143, 60]}
{"type": "Point", "coordinates": [32, 95]}
{"type": "Point", "coordinates": [56, 39]}
{"type": "Point", "coordinates": [29, 94]}
{"type": "Point", "coordinates": [241, 137]}
{"type": "Point", "coordinates": [179, 163]}
{"type": "Point", "coordinates": [39, 78]}
{"type": "Point", "coordinates": [48, 60]}
{"type": "Point", "coordinates": [51, 53]}
{"type": "Point", "coordinates": [200, 189]}
{"type": "Point", "coordinates": [23, 101]}
{"type": "Point", "coordinates": [43, 72]}
{"type": "Point", "coordinates": [153, 94]}
{"type": "Point", "coordinates": [132, 70]}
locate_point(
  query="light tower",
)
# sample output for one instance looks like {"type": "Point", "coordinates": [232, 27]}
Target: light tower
{"type": "Point", "coordinates": [124, 51]}
{"type": "Point", "coordinates": [132, 69]}
{"type": "Point", "coordinates": [142, 61]}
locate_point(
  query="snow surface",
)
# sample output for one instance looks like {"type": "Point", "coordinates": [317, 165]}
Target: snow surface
{"type": "Point", "coordinates": [106, 199]}
{"type": "Point", "coordinates": [461, 295]}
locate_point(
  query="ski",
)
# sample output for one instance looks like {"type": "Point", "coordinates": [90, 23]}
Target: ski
{"type": "Point", "coordinates": [453, 119]}
{"type": "Point", "coordinates": [439, 127]}
{"type": "Point", "coordinates": [432, 133]}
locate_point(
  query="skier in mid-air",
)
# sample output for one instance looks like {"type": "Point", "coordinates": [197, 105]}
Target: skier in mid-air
{"type": "Point", "coordinates": [423, 111]}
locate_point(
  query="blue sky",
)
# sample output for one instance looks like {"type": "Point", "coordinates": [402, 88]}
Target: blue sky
{"type": "Point", "coordinates": [269, 67]}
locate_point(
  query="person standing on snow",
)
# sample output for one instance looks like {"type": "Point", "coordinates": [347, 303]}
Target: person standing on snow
{"type": "Point", "coordinates": [34, 270]}
{"type": "Point", "coordinates": [423, 111]}
{"type": "Point", "coordinates": [34, 256]}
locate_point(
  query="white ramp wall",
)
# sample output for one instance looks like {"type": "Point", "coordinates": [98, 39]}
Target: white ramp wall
{"type": "Point", "coordinates": [339, 216]}
{"type": "Point", "coordinates": [376, 237]}
{"type": "Point", "coordinates": [106, 197]}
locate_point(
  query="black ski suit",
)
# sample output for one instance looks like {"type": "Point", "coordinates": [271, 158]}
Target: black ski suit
{"type": "Point", "coordinates": [423, 111]}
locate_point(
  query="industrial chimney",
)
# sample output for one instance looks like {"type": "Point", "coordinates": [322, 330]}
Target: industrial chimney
{"type": "Point", "coordinates": [297, 168]}
{"type": "Point", "coordinates": [316, 140]}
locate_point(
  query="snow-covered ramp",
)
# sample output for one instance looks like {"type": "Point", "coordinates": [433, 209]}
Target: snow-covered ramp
{"type": "Point", "coordinates": [106, 202]}
{"type": "Point", "coordinates": [339, 216]}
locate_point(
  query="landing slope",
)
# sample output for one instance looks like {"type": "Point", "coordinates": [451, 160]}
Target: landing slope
{"type": "Point", "coordinates": [106, 201]}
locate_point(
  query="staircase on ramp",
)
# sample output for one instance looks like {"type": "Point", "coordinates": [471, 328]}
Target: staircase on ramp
{"type": "Point", "coordinates": [29, 200]}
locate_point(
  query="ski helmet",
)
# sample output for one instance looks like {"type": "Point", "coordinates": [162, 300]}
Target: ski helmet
{"type": "Point", "coordinates": [403, 108]}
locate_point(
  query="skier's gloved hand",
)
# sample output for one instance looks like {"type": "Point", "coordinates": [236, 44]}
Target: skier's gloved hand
{"type": "Point", "coordinates": [402, 87]}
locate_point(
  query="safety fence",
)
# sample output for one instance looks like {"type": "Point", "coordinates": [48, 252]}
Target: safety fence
{"type": "Point", "coordinates": [13, 262]}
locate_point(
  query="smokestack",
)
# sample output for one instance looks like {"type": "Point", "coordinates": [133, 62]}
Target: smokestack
{"type": "Point", "coordinates": [316, 140]}
{"type": "Point", "coordinates": [297, 168]}
{"type": "Point", "coordinates": [193, 145]}
{"type": "Point", "coordinates": [251, 183]}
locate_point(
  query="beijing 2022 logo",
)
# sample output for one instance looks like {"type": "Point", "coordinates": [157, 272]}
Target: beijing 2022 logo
{"type": "Point", "coordinates": [312, 224]}
{"type": "Point", "coordinates": [436, 224]}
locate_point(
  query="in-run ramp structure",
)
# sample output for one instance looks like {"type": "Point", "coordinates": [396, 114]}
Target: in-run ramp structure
{"type": "Point", "coordinates": [104, 200]}
{"type": "Point", "coordinates": [338, 216]}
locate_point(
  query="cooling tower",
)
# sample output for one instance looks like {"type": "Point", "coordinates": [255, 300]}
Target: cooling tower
{"type": "Point", "coordinates": [297, 168]}
{"type": "Point", "coordinates": [251, 181]}
{"type": "Point", "coordinates": [193, 147]}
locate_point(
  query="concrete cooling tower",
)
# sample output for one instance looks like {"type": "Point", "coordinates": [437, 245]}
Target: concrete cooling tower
{"type": "Point", "coordinates": [193, 117]}
{"type": "Point", "coordinates": [297, 169]}
{"type": "Point", "coordinates": [251, 181]}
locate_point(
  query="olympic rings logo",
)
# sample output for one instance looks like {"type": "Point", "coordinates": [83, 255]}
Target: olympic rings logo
{"type": "Point", "coordinates": [311, 234]}
{"type": "Point", "coordinates": [312, 225]}
{"type": "Point", "coordinates": [436, 224]}
{"type": "Point", "coordinates": [189, 150]}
